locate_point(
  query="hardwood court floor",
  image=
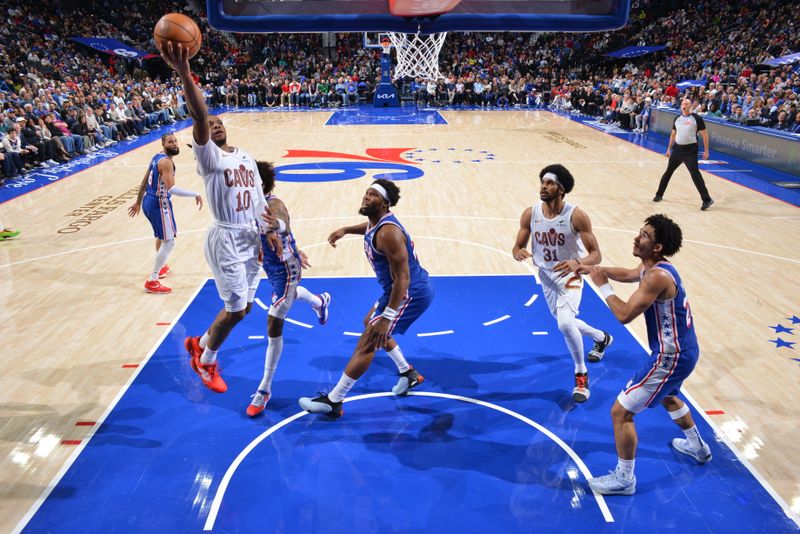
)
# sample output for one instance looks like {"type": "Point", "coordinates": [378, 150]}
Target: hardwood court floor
{"type": "Point", "coordinates": [75, 312]}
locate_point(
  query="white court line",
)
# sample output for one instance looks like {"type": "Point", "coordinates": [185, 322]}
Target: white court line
{"type": "Point", "coordinates": [316, 219]}
{"type": "Point", "coordinates": [298, 323]}
{"type": "Point", "coordinates": [730, 170]}
{"type": "Point", "coordinates": [441, 333]}
{"type": "Point", "coordinates": [717, 431]}
{"type": "Point", "coordinates": [255, 337]}
{"type": "Point", "coordinates": [495, 321]}
{"type": "Point", "coordinates": [354, 334]}
{"type": "Point", "coordinates": [540, 333]}
{"type": "Point", "coordinates": [531, 300]}
{"type": "Point", "coordinates": [226, 479]}
{"type": "Point", "coordinates": [85, 441]}
{"type": "Point", "coordinates": [265, 307]}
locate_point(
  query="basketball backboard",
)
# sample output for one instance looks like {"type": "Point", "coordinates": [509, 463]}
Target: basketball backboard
{"type": "Point", "coordinates": [291, 16]}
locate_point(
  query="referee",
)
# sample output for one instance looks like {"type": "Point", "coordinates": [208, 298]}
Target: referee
{"type": "Point", "coordinates": [682, 148]}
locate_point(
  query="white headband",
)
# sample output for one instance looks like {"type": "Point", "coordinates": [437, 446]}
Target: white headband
{"type": "Point", "coordinates": [552, 177]}
{"type": "Point", "coordinates": [379, 188]}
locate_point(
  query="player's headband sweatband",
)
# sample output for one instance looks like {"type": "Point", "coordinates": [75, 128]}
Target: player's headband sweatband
{"type": "Point", "coordinates": [552, 177]}
{"type": "Point", "coordinates": [379, 188]}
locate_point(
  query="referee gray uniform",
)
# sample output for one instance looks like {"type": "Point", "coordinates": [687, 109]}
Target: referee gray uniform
{"type": "Point", "coordinates": [685, 150]}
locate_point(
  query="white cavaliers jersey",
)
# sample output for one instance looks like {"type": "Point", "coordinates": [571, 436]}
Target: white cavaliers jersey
{"type": "Point", "coordinates": [554, 240]}
{"type": "Point", "coordinates": [233, 185]}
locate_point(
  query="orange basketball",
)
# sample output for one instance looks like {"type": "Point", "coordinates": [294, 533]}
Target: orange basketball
{"type": "Point", "coordinates": [178, 28]}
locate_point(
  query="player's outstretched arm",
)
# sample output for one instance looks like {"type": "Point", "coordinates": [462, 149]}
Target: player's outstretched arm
{"type": "Point", "coordinates": [166, 172]}
{"type": "Point", "coordinates": [618, 274]}
{"type": "Point", "coordinates": [654, 283]}
{"type": "Point", "coordinates": [520, 250]}
{"type": "Point", "coordinates": [336, 235]}
{"type": "Point", "coordinates": [177, 57]}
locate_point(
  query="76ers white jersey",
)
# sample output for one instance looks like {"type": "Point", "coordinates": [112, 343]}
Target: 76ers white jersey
{"type": "Point", "coordinates": [554, 240]}
{"type": "Point", "coordinates": [233, 185]}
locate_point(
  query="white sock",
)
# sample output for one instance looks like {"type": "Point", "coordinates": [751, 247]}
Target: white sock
{"type": "Point", "coordinates": [573, 338]}
{"type": "Point", "coordinates": [339, 392]}
{"type": "Point", "coordinates": [693, 437]}
{"type": "Point", "coordinates": [209, 356]}
{"type": "Point", "coordinates": [274, 349]}
{"type": "Point", "coordinates": [589, 331]}
{"type": "Point", "coordinates": [161, 257]}
{"type": "Point", "coordinates": [625, 468]}
{"type": "Point", "coordinates": [399, 360]}
{"type": "Point", "coordinates": [307, 296]}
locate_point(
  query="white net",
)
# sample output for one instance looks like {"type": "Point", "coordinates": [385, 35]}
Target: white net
{"type": "Point", "coordinates": [417, 55]}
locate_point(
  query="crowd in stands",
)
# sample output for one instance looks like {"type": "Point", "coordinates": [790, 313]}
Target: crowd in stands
{"type": "Point", "coordinates": [59, 99]}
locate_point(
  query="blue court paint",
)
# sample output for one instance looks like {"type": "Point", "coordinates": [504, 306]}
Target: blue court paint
{"type": "Point", "coordinates": [396, 465]}
{"type": "Point", "coordinates": [363, 115]}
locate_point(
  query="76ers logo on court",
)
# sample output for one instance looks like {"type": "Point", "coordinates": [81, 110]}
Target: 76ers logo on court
{"type": "Point", "coordinates": [384, 163]}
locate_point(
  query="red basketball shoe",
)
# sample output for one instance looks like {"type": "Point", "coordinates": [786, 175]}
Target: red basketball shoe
{"type": "Point", "coordinates": [154, 286]}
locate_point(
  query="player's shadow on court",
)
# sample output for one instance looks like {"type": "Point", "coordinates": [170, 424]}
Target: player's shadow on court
{"type": "Point", "coordinates": [438, 446]}
{"type": "Point", "coordinates": [456, 374]}
{"type": "Point", "coordinates": [116, 432]}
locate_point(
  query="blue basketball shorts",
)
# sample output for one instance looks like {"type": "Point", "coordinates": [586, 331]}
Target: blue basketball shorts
{"type": "Point", "coordinates": [158, 211]}
{"type": "Point", "coordinates": [284, 277]}
{"type": "Point", "coordinates": [413, 305]}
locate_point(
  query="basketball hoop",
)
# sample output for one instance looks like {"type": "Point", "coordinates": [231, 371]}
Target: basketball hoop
{"type": "Point", "coordinates": [417, 54]}
{"type": "Point", "coordinates": [386, 44]}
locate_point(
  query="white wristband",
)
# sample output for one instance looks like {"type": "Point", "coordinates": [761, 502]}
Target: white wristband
{"type": "Point", "coordinates": [389, 313]}
{"type": "Point", "coordinates": [606, 290]}
{"type": "Point", "coordinates": [281, 229]}
{"type": "Point", "coordinates": [178, 192]}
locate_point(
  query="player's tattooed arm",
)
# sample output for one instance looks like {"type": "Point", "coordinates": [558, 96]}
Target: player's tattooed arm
{"type": "Point", "coordinates": [277, 213]}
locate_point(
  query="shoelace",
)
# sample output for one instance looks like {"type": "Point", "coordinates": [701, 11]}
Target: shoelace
{"type": "Point", "coordinates": [259, 399]}
{"type": "Point", "coordinates": [581, 381]}
{"type": "Point", "coordinates": [212, 369]}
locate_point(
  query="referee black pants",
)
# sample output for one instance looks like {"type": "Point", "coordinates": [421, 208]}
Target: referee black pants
{"type": "Point", "coordinates": [686, 154]}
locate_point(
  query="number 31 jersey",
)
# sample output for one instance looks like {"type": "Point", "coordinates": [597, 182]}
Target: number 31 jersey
{"type": "Point", "coordinates": [554, 240]}
{"type": "Point", "coordinates": [233, 185]}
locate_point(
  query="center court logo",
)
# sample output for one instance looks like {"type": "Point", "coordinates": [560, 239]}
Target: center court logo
{"type": "Point", "coordinates": [384, 163]}
{"type": "Point", "coordinates": [387, 163]}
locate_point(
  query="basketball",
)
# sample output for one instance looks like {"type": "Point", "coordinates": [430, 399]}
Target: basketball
{"type": "Point", "coordinates": [178, 28]}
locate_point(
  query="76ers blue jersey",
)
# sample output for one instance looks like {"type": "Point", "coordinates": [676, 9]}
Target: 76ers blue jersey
{"type": "Point", "coordinates": [289, 248]}
{"type": "Point", "coordinates": [669, 322]}
{"type": "Point", "coordinates": [419, 276]}
{"type": "Point", "coordinates": [154, 185]}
